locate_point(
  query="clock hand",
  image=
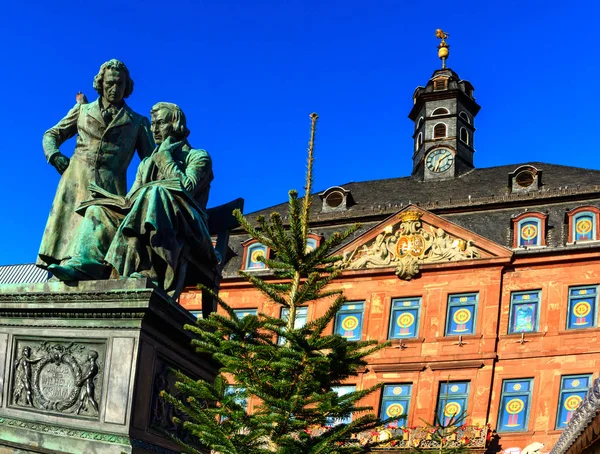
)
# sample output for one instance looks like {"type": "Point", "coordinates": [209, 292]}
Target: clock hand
{"type": "Point", "coordinates": [437, 165]}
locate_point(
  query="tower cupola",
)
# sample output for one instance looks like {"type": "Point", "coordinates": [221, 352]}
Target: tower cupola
{"type": "Point", "coordinates": [444, 111]}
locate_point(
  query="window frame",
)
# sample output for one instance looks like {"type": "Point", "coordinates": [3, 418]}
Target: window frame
{"type": "Point", "coordinates": [451, 304]}
{"type": "Point", "coordinates": [433, 134]}
{"type": "Point", "coordinates": [246, 256]}
{"type": "Point", "coordinates": [529, 216]}
{"type": "Point", "coordinates": [348, 419]}
{"type": "Point", "coordinates": [467, 142]}
{"type": "Point", "coordinates": [574, 214]}
{"type": "Point", "coordinates": [514, 303]}
{"type": "Point", "coordinates": [439, 408]}
{"type": "Point", "coordinates": [416, 318]}
{"type": "Point", "coordinates": [507, 396]}
{"type": "Point", "coordinates": [574, 391]}
{"type": "Point", "coordinates": [403, 401]}
{"type": "Point", "coordinates": [572, 300]}
{"type": "Point", "coordinates": [462, 114]}
{"type": "Point", "coordinates": [348, 309]}
{"type": "Point", "coordinates": [281, 339]}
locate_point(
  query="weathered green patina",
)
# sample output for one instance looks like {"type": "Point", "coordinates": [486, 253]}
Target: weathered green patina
{"type": "Point", "coordinates": [154, 230]}
{"type": "Point", "coordinates": [108, 134]}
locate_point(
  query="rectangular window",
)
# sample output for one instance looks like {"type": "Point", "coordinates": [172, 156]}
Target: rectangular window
{"type": "Point", "coordinates": [524, 310]}
{"type": "Point", "coordinates": [583, 302]}
{"type": "Point", "coordinates": [341, 391]}
{"type": "Point", "coordinates": [239, 394]}
{"type": "Point", "coordinates": [452, 402]}
{"type": "Point", "coordinates": [461, 314]}
{"type": "Point", "coordinates": [395, 403]}
{"type": "Point", "coordinates": [349, 321]}
{"type": "Point", "coordinates": [404, 318]}
{"type": "Point", "coordinates": [301, 317]}
{"type": "Point", "coordinates": [241, 313]}
{"type": "Point", "coordinates": [573, 389]}
{"type": "Point", "coordinates": [514, 405]}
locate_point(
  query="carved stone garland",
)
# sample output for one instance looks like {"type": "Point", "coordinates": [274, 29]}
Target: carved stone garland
{"type": "Point", "coordinates": [408, 247]}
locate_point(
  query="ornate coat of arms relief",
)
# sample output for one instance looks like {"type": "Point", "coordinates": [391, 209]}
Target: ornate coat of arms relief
{"type": "Point", "coordinates": [407, 247]}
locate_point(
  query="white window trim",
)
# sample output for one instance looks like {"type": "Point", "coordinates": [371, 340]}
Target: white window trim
{"type": "Point", "coordinates": [445, 129]}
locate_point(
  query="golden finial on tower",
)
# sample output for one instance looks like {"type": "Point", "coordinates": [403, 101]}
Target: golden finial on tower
{"type": "Point", "coordinates": [443, 47]}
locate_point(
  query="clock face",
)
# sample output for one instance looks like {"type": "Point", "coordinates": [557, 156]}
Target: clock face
{"type": "Point", "coordinates": [439, 160]}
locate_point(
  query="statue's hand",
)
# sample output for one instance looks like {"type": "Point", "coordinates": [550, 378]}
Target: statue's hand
{"type": "Point", "coordinates": [60, 162]}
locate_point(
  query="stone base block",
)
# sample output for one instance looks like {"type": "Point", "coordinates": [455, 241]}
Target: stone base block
{"type": "Point", "coordinates": [81, 367]}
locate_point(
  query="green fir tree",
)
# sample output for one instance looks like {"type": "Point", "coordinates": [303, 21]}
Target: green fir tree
{"type": "Point", "coordinates": [296, 408]}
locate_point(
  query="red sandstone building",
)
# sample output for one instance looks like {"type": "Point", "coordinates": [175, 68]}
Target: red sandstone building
{"type": "Point", "coordinates": [485, 280]}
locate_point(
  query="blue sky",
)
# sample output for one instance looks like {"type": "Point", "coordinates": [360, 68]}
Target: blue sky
{"type": "Point", "coordinates": [248, 74]}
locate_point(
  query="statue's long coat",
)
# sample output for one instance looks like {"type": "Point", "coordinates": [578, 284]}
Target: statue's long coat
{"type": "Point", "coordinates": [102, 154]}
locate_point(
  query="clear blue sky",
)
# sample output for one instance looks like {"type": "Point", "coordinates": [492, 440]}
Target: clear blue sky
{"type": "Point", "coordinates": [248, 74]}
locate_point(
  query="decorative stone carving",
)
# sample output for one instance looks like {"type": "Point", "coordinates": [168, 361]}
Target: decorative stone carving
{"type": "Point", "coordinates": [58, 376]}
{"type": "Point", "coordinates": [408, 246]}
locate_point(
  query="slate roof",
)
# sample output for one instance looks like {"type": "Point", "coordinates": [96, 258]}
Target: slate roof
{"type": "Point", "coordinates": [22, 274]}
{"type": "Point", "coordinates": [480, 200]}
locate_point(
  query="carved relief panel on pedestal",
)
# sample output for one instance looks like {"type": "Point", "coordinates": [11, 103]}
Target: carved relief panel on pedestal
{"type": "Point", "coordinates": [57, 376]}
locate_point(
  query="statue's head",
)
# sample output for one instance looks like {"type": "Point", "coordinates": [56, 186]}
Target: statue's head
{"type": "Point", "coordinates": [93, 355]}
{"type": "Point", "coordinates": [26, 351]}
{"type": "Point", "coordinates": [168, 120]}
{"type": "Point", "coordinates": [113, 81]}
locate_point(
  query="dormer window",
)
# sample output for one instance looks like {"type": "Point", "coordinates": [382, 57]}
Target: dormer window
{"type": "Point", "coordinates": [464, 135]}
{"type": "Point", "coordinates": [464, 116]}
{"type": "Point", "coordinates": [253, 252]}
{"type": "Point", "coordinates": [440, 111]}
{"type": "Point", "coordinates": [583, 224]}
{"type": "Point", "coordinates": [312, 242]}
{"type": "Point", "coordinates": [439, 131]}
{"type": "Point", "coordinates": [440, 83]}
{"type": "Point", "coordinates": [529, 230]}
{"type": "Point", "coordinates": [525, 179]}
{"type": "Point", "coordinates": [336, 199]}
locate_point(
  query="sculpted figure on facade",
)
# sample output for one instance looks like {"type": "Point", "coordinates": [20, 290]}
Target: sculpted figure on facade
{"type": "Point", "coordinates": [22, 368]}
{"type": "Point", "coordinates": [154, 230]}
{"type": "Point", "coordinates": [88, 391]}
{"type": "Point", "coordinates": [108, 133]}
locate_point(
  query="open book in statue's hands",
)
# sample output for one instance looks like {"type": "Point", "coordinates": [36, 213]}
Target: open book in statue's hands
{"type": "Point", "coordinates": [119, 203]}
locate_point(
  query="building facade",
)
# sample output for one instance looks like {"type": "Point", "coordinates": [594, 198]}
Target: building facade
{"type": "Point", "coordinates": [485, 280]}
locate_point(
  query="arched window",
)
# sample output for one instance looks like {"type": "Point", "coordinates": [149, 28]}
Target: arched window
{"type": "Point", "coordinates": [464, 116]}
{"type": "Point", "coordinates": [419, 123]}
{"type": "Point", "coordinates": [439, 131]}
{"type": "Point", "coordinates": [529, 230]}
{"type": "Point", "coordinates": [583, 224]}
{"type": "Point", "coordinates": [464, 135]}
{"type": "Point", "coordinates": [419, 141]}
{"type": "Point", "coordinates": [253, 251]}
{"type": "Point", "coordinates": [440, 111]}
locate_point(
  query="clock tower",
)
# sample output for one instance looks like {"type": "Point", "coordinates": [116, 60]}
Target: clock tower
{"type": "Point", "coordinates": [444, 112]}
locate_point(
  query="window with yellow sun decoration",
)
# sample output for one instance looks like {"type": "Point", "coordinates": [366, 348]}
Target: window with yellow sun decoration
{"type": "Point", "coordinates": [461, 315]}
{"type": "Point", "coordinates": [573, 389]}
{"type": "Point", "coordinates": [514, 405]}
{"type": "Point", "coordinates": [453, 399]}
{"type": "Point", "coordinates": [395, 403]}
{"type": "Point", "coordinates": [583, 303]}
{"type": "Point", "coordinates": [529, 230]}
{"type": "Point", "coordinates": [253, 252]}
{"type": "Point", "coordinates": [583, 224]}
{"type": "Point", "coordinates": [349, 321]}
{"type": "Point", "coordinates": [404, 319]}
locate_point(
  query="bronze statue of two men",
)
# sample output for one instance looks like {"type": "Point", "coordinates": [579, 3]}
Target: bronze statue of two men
{"type": "Point", "coordinates": [96, 229]}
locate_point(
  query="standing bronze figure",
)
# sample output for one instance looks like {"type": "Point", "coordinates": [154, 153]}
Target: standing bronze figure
{"type": "Point", "coordinates": [108, 132]}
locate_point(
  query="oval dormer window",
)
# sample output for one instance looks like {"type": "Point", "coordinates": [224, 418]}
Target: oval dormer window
{"type": "Point", "coordinates": [334, 199]}
{"type": "Point", "coordinates": [525, 178]}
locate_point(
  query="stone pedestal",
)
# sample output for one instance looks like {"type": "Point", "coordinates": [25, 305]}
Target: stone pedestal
{"type": "Point", "coordinates": [81, 367]}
